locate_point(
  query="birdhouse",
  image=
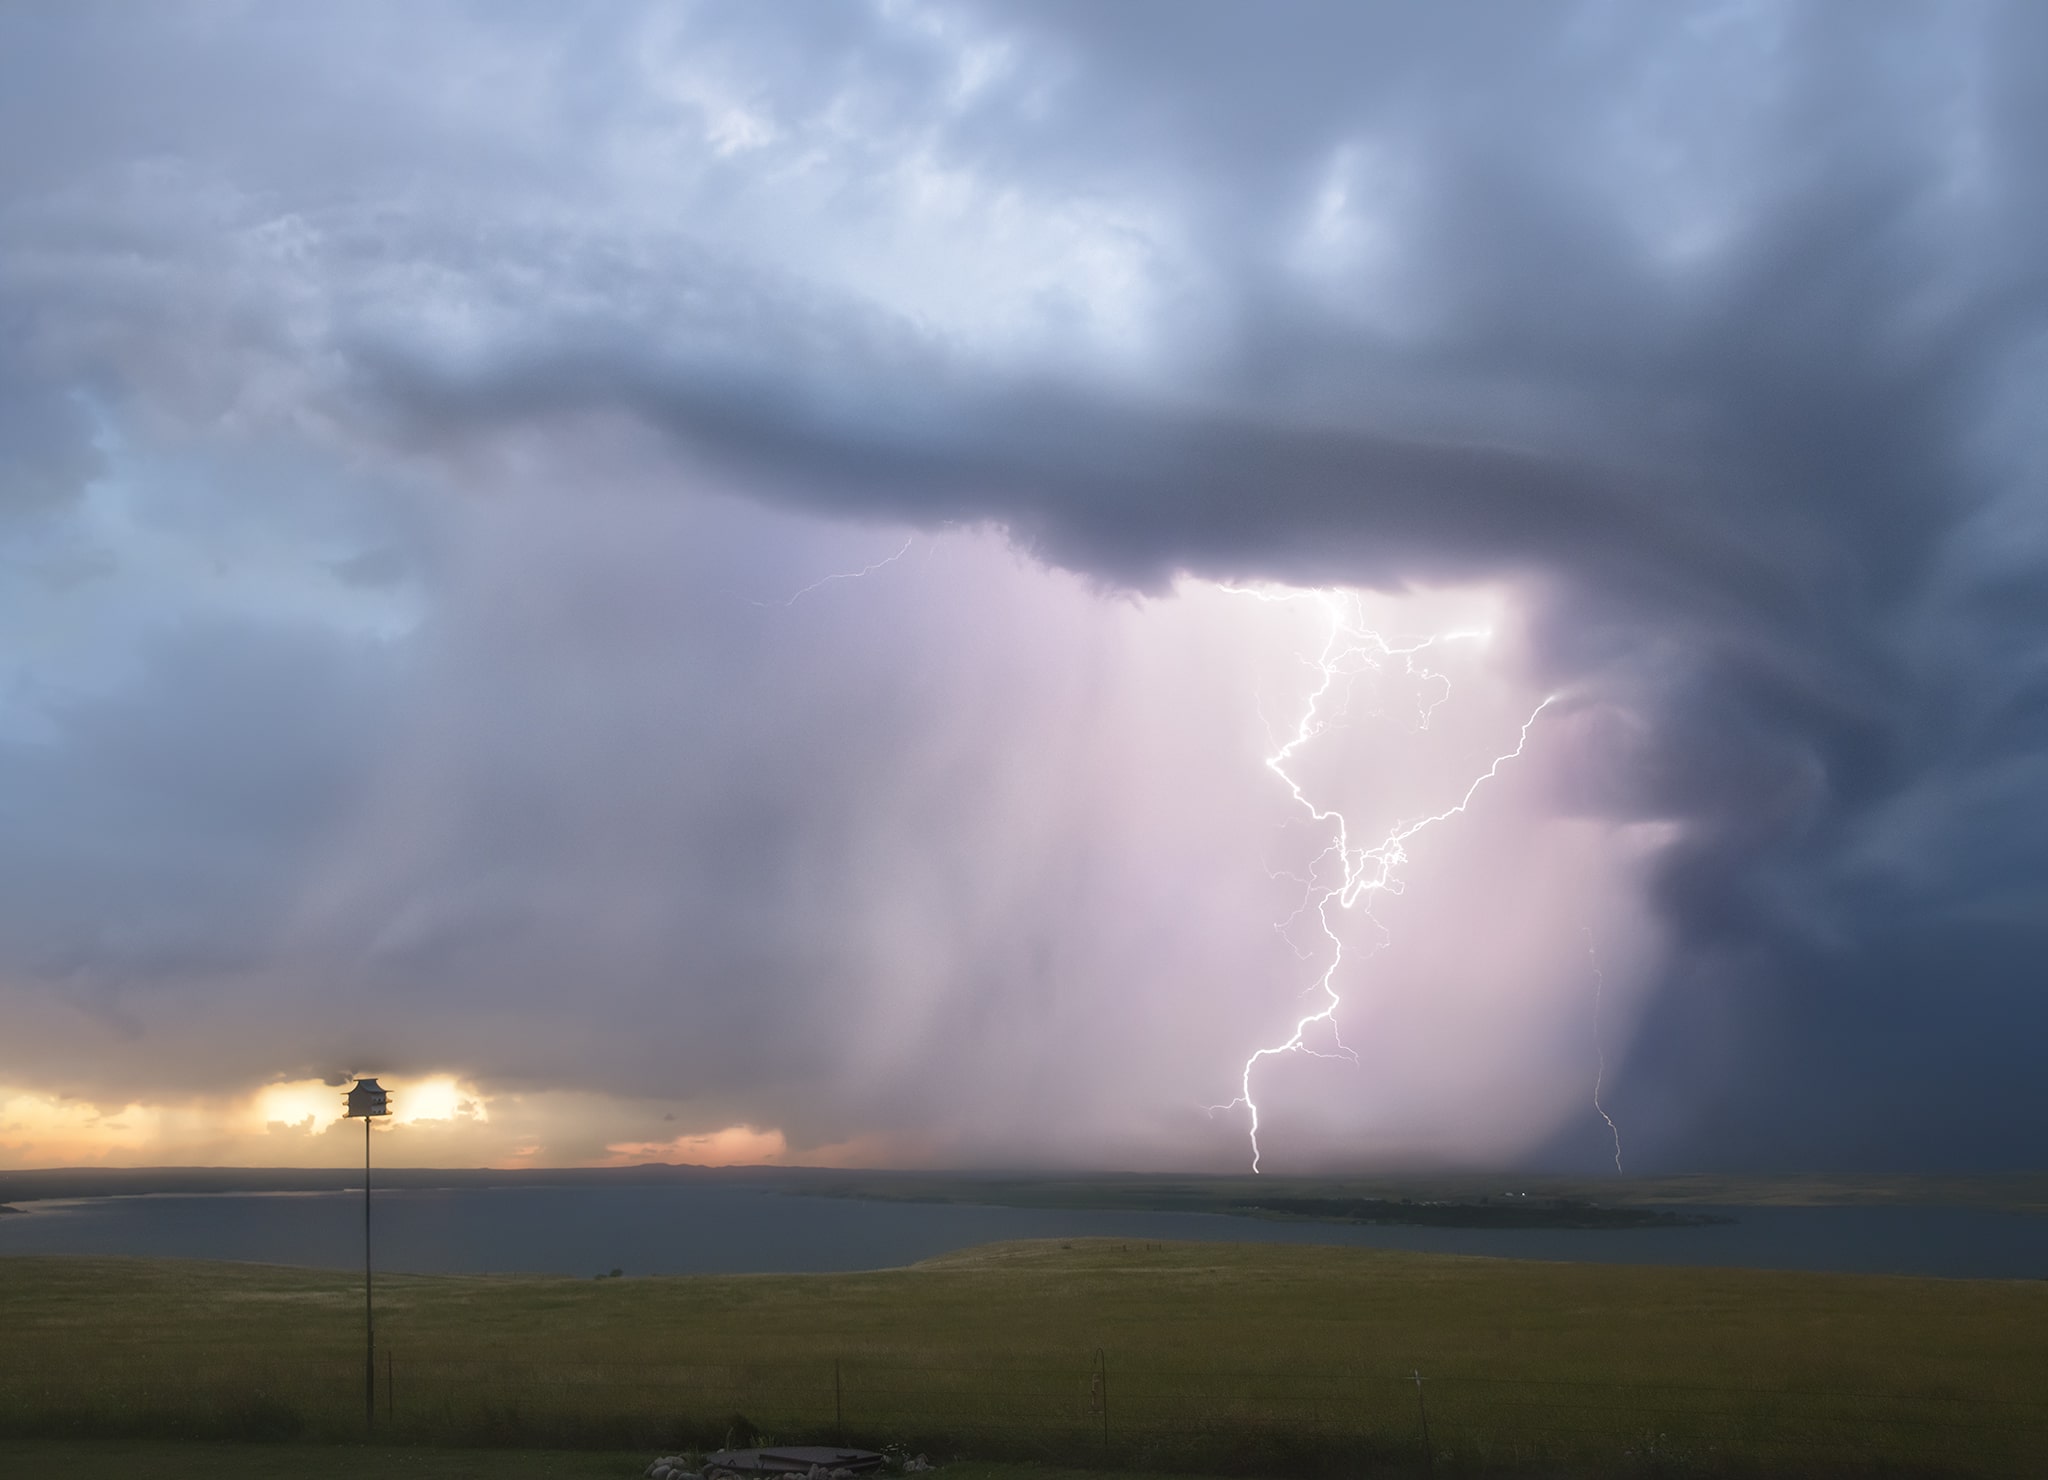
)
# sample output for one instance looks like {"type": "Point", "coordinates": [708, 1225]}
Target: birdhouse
{"type": "Point", "coordinates": [366, 1099]}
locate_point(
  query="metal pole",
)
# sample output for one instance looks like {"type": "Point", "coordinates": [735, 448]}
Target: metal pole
{"type": "Point", "coordinates": [1428, 1450]}
{"type": "Point", "coordinates": [369, 1312]}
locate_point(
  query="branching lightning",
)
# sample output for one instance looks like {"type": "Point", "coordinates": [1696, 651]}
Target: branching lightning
{"type": "Point", "coordinates": [1600, 1047]}
{"type": "Point", "coordinates": [1363, 872]}
{"type": "Point", "coordinates": [845, 575]}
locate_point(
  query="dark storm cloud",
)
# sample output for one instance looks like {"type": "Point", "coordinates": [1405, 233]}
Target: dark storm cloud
{"type": "Point", "coordinates": [146, 844]}
{"type": "Point", "coordinates": [1722, 327]}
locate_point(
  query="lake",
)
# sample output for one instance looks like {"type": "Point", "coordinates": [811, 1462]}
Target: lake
{"type": "Point", "coordinates": [737, 1230]}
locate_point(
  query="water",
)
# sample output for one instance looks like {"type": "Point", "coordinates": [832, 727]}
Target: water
{"type": "Point", "coordinates": [719, 1230]}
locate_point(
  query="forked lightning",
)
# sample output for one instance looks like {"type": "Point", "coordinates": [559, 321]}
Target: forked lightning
{"type": "Point", "coordinates": [1349, 647]}
{"type": "Point", "coordinates": [1600, 1047]}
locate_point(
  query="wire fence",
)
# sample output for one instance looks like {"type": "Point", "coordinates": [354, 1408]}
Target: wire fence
{"type": "Point", "coordinates": [1092, 1410]}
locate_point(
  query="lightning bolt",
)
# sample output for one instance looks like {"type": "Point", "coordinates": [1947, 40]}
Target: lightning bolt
{"type": "Point", "coordinates": [1600, 1048]}
{"type": "Point", "coordinates": [845, 575]}
{"type": "Point", "coordinates": [1363, 872]}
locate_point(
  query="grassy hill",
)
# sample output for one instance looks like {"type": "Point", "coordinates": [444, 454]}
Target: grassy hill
{"type": "Point", "coordinates": [1218, 1357]}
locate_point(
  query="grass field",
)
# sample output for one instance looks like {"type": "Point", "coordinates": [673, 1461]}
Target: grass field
{"type": "Point", "coordinates": [174, 1459]}
{"type": "Point", "coordinates": [1210, 1357]}
{"type": "Point", "coordinates": [187, 1459]}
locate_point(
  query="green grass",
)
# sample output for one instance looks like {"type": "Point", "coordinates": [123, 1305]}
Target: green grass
{"type": "Point", "coordinates": [160, 1459]}
{"type": "Point", "coordinates": [1215, 1357]}
{"type": "Point", "coordinates": [173, 1459]}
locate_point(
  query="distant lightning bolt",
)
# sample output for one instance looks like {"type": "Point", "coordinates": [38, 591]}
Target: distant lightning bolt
{"type": "Point", "coordinates": [844, 575]}
{"type": "Point", "coordinates": [1349, 648]}
{"type": "Point", "coordinates": [1600, 1048]}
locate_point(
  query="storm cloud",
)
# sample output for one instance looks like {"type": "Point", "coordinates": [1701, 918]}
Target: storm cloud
{"type": "Point", "coordinates": [415, 422]}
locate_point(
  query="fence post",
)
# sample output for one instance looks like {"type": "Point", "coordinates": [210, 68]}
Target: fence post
{"type": "Point", "coordinates": [1101, 1386]}
{"type": "Point", "coordinates": [1422, 1409]}
{"type": "Point", "coordinates": [838, 1407]}
{"type": "Point", "coordinates": [390, 1406]}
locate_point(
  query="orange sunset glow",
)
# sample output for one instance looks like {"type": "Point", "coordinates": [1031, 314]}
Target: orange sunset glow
{"type": "Point", "coordinates": [437, 1120]}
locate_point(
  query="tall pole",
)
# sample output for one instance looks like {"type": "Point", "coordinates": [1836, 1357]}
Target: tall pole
{"type": "Point", "coordinates": [368, 1099]}
{"type": "Point", "coordinates": [369, 1312]}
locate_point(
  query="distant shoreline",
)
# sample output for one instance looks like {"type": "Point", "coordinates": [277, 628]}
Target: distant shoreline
{"type": "Point", "coordinates": [1485, 1213]}
{"type": "Point", "coordinates": [1505, 1200]}
{"type": "Point", "coordinates": [666, 1222]}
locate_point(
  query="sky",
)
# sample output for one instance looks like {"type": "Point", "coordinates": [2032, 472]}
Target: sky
{"type": "Point", "coordinates": [912, 584]}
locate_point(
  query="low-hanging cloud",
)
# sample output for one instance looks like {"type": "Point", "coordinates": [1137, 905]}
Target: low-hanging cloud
{"type": "Point", "coordinates": [1713, 333]}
